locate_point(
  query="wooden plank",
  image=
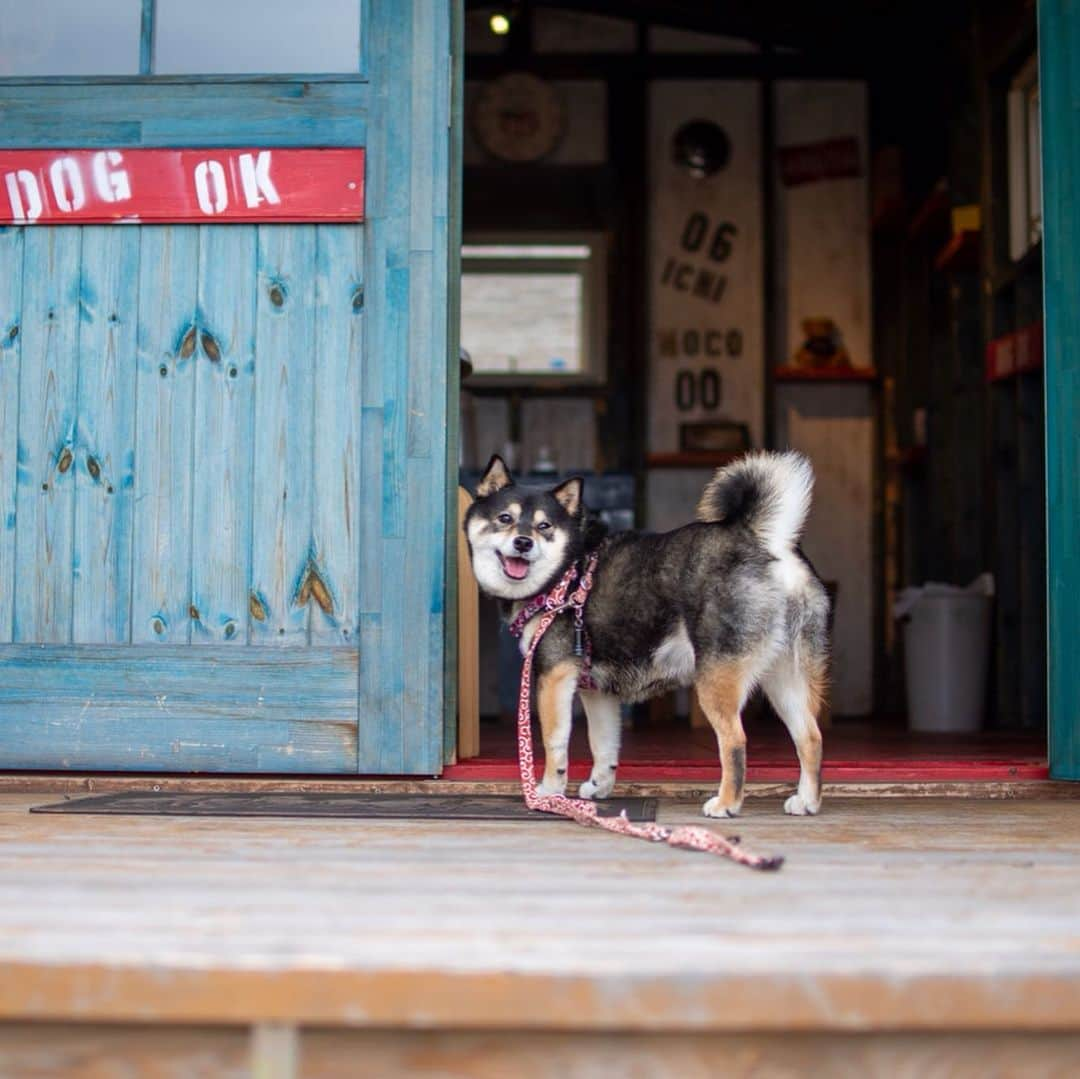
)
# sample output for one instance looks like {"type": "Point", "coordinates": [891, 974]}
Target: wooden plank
{"type": "Point", "coordinates": [167, 351]}
{"type": "Point", "coordinates": [34, 1051]}
{"type": "Point", "coordinates": [448, 238]}
{"type": "Point", "coordinates": [329, 1053]}
{"type": "Point", "coordinates": [420, 609]}
{"type": "Point", "coordinates": [47, 433]}
{"type": "Point", "coordinates": [1059, 47]}
{"type": "Point", "coordinates": [11, 286]}
{"type": "Point", "coordinates": [223, 461]}
{"type": "Point", "coordinates": [285, 581]}
{"type": "Point", "coordinates": [338, 500]}
{"type": "Point", "coordinates": [407, 192]}
{"type": "Point", "coordinates": [906, 915]}
{"type": "Point", "coordinates": [468, 643]}
{"type": "Point", "coordinates": [386, 260]}
{"type": "Point", "coordinates": [105, 1052]}
{"type": "Point", "coordinates": [262, 112]}
{"type": "Point", "coordinates": [176, 708]}
{"type": "Point", "coordinates": [54, 783]}
{"type": "Point", "coordinates": [105, 456]}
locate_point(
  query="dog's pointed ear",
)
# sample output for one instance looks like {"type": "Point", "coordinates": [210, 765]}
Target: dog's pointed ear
{"type": "Point", "coordinates": [568, 495]}
{"type": "Point", "coordinates": [496, 476]}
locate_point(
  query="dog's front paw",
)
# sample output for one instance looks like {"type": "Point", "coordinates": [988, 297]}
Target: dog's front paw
{"type": "Point", "coordinates": [546, 789]}
{"type": "Point", "coordinates": [597, 788]}
{"type": "Point", "coordinates": [714, 807]}
{"type": "Point", "coordinates": [798, 806]}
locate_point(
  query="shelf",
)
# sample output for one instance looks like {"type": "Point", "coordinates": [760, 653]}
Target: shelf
{"type": "Point", "coordinates": [960, 253]}
{"type": "Point", "coordinates": [690, 459]}
{"type": "Point", "coordinates": [825, 374]}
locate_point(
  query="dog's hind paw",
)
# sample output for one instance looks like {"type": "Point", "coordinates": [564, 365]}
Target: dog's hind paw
{"type": "Point", "coordinates": [797, 806]}
{"type": "Point", "coordinates": [715, 808]}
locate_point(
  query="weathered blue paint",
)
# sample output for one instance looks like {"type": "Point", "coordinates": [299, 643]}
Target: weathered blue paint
{"type": "Point", "coordinates": [1059, 92]}
{"type": "Point", "coordinates": [283, 437]}
{"type": "Point", "coordinates": [192, 112]}
{"type": "Point", "coordinates": [167, 356]}
{"type": "Point", "coordinates": [146, 37]}
{"type": "Point", "coordinates": [263, 587]}
{"type": "Point", "coordinates": [11, 283]}
{"type": "Point", "coordinates": [339, 347]}
{"type": "Point", "coordinates": [48, 393]}
{"type": "Point", "coordinates": [223, 463]}
{"type": "Point", "coordinates": [168, 708]}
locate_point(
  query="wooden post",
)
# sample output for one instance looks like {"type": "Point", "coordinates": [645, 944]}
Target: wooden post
{"type": "Point", "coordinates": [468, 598]}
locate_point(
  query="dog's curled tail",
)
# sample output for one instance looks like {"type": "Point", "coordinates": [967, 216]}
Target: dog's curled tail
{"type": "Point", "coordinates": [768, 493]}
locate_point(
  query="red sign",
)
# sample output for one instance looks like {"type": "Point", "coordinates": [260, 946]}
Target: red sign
{"type": "Point", "coordinates": [833, 159]}
{"type": "Point", "coordinates": [55, 187]}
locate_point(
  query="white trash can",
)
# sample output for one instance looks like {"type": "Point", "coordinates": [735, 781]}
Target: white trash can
{"type": "Point", "coordinates": [947, 655]}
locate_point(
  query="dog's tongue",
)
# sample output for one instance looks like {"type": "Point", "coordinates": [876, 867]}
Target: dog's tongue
{"type": "Point", "coordinates": [516, 567]}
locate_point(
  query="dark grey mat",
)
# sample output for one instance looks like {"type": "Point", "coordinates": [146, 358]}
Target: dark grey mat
{"type": "Point", "coordinates": [360, 806]}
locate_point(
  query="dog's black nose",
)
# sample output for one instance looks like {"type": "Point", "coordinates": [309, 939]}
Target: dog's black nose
{"type": "Point", "coordinates": [522, 544]}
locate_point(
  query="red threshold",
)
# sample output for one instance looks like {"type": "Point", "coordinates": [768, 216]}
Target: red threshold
{"type": "Point", "coordinates": [885, 770]}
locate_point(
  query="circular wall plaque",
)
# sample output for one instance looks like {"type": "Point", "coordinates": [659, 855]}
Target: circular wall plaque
{"type": "Point", "coordinates": [518, 118]}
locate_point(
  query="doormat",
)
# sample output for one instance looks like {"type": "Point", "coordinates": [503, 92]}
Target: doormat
{"type": "Point", "coordinates": [358, 806]}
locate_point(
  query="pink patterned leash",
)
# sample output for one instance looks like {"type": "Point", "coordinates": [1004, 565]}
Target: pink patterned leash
{"type": "Point", "coordinates": [691, 837]}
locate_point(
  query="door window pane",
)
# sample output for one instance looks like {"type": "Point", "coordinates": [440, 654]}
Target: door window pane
{"type": "Point", "coordinates": [203, 37]}
{"type": "Point", "coordinates": [69, 37]}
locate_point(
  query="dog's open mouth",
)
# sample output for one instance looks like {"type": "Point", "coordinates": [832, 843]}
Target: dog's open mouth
{"type": "Point", "coordinates": [517, 569]}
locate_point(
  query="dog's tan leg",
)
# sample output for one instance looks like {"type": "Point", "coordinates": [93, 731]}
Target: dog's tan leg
{"type": "Point", "coordinates": [555, 702]}
{"type": "Point", "coordinates": [605, 726]}
{"type": "Point", "coordinates": [796, 691]}
{"type": "Point", "coordinates": [721, 689]}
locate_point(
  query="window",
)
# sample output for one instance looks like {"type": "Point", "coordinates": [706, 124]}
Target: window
{"type": "Point", "coordinates": [190, 37]}
{"type": "Point", "coordinates": [534, 308]}
{"type": "Point", "coordinates": [1025, 161]}
{"type": "Point", "coordinates": [69, 37]}
{"type": "Point", "coordinates": [202, 37]}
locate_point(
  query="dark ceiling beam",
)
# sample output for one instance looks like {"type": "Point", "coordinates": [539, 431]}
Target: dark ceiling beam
{"type": "Point", "coordinates": [870, 28]}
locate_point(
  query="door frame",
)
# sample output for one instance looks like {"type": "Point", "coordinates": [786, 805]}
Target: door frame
{"type": "Point", "coordinates": [1059, 90]}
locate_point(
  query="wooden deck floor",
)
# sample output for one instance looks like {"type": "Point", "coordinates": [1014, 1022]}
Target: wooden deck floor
{"type": "Point", "coordinates": [926, 915]}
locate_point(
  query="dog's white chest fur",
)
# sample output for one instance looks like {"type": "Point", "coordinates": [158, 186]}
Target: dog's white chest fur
{"type": "Point", "coordinates": [673, 659]}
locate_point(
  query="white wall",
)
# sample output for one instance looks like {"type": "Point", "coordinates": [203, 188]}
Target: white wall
{"type": "Point", "coordinates": [824, 270]}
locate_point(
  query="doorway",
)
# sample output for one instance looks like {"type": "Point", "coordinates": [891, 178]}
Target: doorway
{"type": "Point", "coordinates": [798, 243]}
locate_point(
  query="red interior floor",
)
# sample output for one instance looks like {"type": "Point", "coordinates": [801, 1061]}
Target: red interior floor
{"type": "Point", "coordinates": [854, 751]}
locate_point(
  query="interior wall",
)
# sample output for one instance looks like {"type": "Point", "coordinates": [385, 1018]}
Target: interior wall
{"type": "Point", "coordinates": [823, 269]}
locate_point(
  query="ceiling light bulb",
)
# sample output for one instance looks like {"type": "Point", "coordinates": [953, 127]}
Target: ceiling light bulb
{"type": "Point", "coordinates": [499, 24]}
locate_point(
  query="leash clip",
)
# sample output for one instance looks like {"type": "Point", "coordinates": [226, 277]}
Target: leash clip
{"type": "Point", "coordinates": [579, 634]}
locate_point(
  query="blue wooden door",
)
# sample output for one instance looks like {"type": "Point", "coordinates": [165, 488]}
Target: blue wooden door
{"type": "Point", "coordinates": [223, 447]}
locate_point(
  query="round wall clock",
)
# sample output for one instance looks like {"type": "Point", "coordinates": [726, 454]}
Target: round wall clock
{"type": "Point", "coordinates": [518, 118]}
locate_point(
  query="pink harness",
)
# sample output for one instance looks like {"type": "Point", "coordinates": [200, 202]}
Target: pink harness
{"type": "Point", "coordinates": [549, 606]}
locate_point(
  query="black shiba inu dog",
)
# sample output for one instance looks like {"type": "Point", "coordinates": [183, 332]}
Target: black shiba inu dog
{"type": "Point", "coordinates": [725, 604]}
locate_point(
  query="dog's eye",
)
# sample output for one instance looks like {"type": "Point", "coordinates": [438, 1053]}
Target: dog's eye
{"type": "Point", "coordinates": [544, 526]}
{"type": "Point", "coordinates": [505, 519]}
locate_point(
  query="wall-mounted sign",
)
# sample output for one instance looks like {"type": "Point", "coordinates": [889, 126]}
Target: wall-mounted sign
{"type": "Point", "coordinates": [63, 187]}
{"type": "Point", "coordinates": [706, 368]}
{"type": "Point", "coordinates": [829, 159]}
